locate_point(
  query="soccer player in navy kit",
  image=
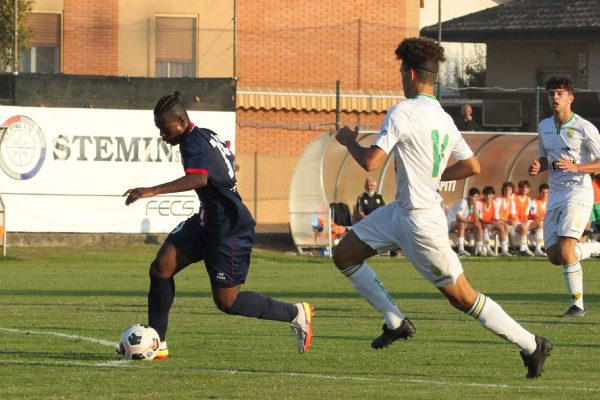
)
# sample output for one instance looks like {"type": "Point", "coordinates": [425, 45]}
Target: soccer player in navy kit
{"type": "Point", "coordinates": [221, 234]}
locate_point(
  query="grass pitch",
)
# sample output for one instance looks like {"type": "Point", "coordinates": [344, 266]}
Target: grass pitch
{"type": "Point", "coordinates": [63, 309]}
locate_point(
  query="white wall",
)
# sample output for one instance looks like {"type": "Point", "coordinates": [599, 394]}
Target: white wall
{"type": "Point", "coordinates": [65, 170]}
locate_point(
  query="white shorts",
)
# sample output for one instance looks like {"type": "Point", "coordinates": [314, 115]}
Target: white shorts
{"type": "Point", "coordinates": [569, 221]}
{"type": "Point", "coordinates": [421, 234]}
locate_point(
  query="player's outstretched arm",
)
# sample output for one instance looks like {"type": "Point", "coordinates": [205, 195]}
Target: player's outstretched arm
{"type": "Point", "coordinates": [369, 158]}
{"type": "Point", "coordinates": [183, 184]}
{"type": "Point", "coordinates": [462, 169]}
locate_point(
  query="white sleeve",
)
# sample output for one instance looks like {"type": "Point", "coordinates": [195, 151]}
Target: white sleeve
{"type": "Point", "coordinates": [541, 149]}
{"type": "Point", "coordinates": [497, 206]}
{"type": "Point", "coordinates": [462, 208]}
{"type": "Point", "coordinates": [533, 210]}
{"type": "Point", "coordinates": [395, 128]}
{"type": "Point", "coordinates": [461, 150]}
{"type": "Point", "coordinates": [593, 140]}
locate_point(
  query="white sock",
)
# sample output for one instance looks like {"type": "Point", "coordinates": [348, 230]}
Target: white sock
{"type": "Point", "coordinates": [366, 282]}
{"type": "Point", "coordinates": [585, 250]}
{"type": "Point", "coordinates": [492, 317]}
{"type": "Point", "coordinates": [486, 236]}
{"type": "Point", "coordinates": [539, 239]}
{"type": "Point", "coordinates": [523, 243]}
{"type": "Point", "coordinates": [573, 275]}
{"type": "Point", "coordinates": [460, 244]}
{"type": "Point", "coordinates": [504, 245]}
{"type": "Point", "coordinates": [479, 247]}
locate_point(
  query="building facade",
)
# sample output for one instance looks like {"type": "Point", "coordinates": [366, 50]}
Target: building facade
{"type": "Point", "coordinates": [139, 38]}
{"type": "Point", "coordinates": [288, 59]}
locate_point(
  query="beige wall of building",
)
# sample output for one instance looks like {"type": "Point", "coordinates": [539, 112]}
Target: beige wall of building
{"type": "Point", "coordinates": [214, 46]}
{"type": "Point", "coordinates": [48, 5]}
{"type": "Point", "coordinates": [519, 64]}
{"type": "Point", "coordinates": [136, 34]}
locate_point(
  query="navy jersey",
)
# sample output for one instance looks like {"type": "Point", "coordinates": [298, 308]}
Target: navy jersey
{"type": "Point", "coordinates": [222, 212]}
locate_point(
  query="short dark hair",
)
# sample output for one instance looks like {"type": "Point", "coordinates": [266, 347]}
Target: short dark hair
{"type": "Point", "coordinates": [523, 183]}
{"type": "Point", "coordinates": [543, 186]}
{"type": "Point", "coordinates": [473, 191]}
{"type": "Point", "coordinates": [423, 55]}
{"type": "Point", "coordinates": [508, 184]}
{"type": "Point", "coordinates": [559, 82]}
{"type": "Point", "coordinates": [488, 190]}
{"type": "Point", "coordinates": [170, 102]}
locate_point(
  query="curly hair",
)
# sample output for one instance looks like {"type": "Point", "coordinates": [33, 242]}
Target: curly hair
{"type": "Point", "coordinates": [559, 82]}
{"type": "Point", "coordinates": [422, 54]}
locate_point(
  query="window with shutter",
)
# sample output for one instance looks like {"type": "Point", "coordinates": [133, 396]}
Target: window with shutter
{"type": "Point", "coordinates": [175, 47]}
{"type": "Point", "coordinates": [43, 56]}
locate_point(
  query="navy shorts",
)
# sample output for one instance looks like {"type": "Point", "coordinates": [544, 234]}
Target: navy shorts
{"type": "Point", "coordinates": [227, 260]}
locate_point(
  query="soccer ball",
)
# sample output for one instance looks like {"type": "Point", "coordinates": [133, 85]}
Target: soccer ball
{"type": "Point", "coordinates": [139, 342]}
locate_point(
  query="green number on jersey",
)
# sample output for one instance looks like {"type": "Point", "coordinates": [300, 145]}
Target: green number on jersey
{"type": "Point", "coordinates": [438, 153]}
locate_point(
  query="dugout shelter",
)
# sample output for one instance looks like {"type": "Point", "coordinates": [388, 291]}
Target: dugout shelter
{"type": "Point", "coordinates": [326, 174]}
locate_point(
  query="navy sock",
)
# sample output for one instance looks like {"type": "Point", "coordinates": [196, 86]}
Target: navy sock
{"type": "Point", "coordinates": [253, 304]}
{"type": "Point", "coordinates": [160, 300]}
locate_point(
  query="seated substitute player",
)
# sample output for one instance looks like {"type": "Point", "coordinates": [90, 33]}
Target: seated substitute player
{"type": "Point", "coordinates": [569, 149]}
{"type": "Point", "coordinates": [537, 214]}
{"type": "Point", "coordinates": [221, 234]}
{"type": "Point", "coordinates": [422, 137]}
{"type": "Point", "coordinates": [464, 217]}
{"type": "Point", "coordinates": [523, 223]}
{"type": "Point", "coordinates": [508, 211]}
{"type": "Point", "coordinates": [490, 222]}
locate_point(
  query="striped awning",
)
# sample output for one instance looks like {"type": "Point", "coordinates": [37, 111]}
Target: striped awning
{"type": "Point", "coordinates": [315, 100]}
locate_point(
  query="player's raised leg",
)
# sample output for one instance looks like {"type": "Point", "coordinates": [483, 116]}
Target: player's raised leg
{"type": "Point", "coordinates": [534, 349]}
{"type": "Point", "coordinates": [251, 304]}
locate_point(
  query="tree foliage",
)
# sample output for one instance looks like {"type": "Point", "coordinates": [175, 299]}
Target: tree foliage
{"type": "Point", "coordinates": [472, 73]}
{"type": "Point", "coordinates": [7, 30]}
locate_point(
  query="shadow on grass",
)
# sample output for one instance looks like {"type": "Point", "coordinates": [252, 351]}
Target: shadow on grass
{"type": "Point", "coordinates": [308, 295]}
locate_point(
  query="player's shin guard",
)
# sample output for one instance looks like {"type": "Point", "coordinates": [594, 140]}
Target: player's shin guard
{"type": "Point", "coordinates": [368, 285]}
{"type": "Point", "coordinates": [573, 275]}
{"type": "Point", "coordinates": [257, 305]}
{"type": "Point", "coordinates": [160, 300]}
{"type": "Point", "coordinates": [492, 317]}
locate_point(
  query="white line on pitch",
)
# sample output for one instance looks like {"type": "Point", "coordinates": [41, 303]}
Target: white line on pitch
{"type": "Point", "coordinates": [125, 363]}
{"type": "Point", "coordinates": [60, 334]}
{"type": "Point", "coordinates": [133, 364]}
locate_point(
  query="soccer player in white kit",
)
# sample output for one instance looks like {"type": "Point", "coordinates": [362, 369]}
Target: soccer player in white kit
{"type": "Point", "coordinates": [422, 137]}
{"type": "Point", "coordinates": [569, 149]}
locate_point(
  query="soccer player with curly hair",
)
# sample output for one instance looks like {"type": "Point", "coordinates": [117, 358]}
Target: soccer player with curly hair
{"type": "Point", "coordinates": [422, 137]}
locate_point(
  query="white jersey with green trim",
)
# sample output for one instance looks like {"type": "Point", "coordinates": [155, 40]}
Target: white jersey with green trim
{"type": "Point", "coordinates": [577, 140]}
{"type": "Point", "coordinates": [423, 136]}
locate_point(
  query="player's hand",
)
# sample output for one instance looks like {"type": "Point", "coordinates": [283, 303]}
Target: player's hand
{"type": "Point", "coordinates": [567, 165]}
{"type": "Point", "coordinates": [136, 194]}
{"type": "Point", "coordinates": [534, 168]}
{"type": "Point", "coordinates": [346, 136]}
